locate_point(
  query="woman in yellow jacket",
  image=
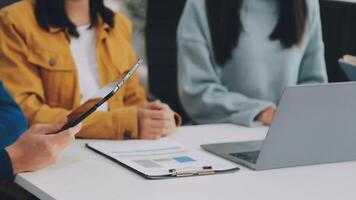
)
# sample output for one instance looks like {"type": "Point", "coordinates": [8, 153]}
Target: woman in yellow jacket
{"type": "Point", "coordinates": [54, 54]}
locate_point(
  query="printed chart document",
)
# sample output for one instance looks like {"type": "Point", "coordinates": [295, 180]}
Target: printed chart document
{"type": "Point", "coordinates": [162, 158]}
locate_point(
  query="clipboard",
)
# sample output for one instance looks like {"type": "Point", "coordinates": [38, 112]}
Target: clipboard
{"type": "Point", "coordinates": [210, 166]}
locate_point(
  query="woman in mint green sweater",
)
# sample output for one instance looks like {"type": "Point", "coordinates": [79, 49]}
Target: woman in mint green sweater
{"type": "Point", "coordinates": [235, 57]}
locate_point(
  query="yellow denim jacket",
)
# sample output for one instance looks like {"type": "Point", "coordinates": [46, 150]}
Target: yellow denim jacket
{"type": "Point", "coordinates": [38, 70]}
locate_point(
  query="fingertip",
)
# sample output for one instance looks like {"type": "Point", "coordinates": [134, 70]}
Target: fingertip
{"type": "Point", "coordinates": [80, 125]}
{"type": "Point", "coordinates": [155, 137]}
{"type": "Point", "coordinates": [70, 136]}
{"type": "Point", "coordinates": [74, 130]}
{"type": "Point", "coordinates": [167, 116]}
{"type": "Point", "coordinates": [60, 123]}
{"type": "Point", "coordinates": [156, 103]}
{"type": "Point", "coordinates": [63, 120]}
{"type": "Point", "coordinates": [165, 107]}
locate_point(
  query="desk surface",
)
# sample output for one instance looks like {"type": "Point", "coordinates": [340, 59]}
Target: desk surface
{"type": "Point", "coordinates": [83, 174]}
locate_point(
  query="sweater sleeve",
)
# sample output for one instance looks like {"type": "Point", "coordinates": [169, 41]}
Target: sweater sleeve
{"type": "Point", "coordinates": [12, 121]}
{"type": "Point", "coordinates": [204, 97]}
{"type": "Point", "coordinates": [6, 170]}
{"type": "Point", "coordinates": [313, 67]}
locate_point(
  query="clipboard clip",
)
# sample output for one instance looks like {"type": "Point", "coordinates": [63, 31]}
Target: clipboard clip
{"type": "Point", "coordinates": [206, 170]}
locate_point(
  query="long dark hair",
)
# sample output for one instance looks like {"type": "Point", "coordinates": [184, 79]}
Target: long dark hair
{"type": "Point", "coordinates": [52, 13]}
{"type": "Point", "coordinates": [225, 29]}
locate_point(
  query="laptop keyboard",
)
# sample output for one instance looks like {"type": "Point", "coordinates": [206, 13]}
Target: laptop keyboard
{"type": "Point", "coordinates": [250, 156]}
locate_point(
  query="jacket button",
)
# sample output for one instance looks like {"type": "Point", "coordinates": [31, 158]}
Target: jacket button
{"type": "Point", "coordinates": [52, 62]}
{"type": "Point", "coordinates": [127, 135]}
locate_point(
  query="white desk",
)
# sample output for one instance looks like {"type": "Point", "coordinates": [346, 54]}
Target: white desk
{"type": "Point", "coordinates": [83, 174]}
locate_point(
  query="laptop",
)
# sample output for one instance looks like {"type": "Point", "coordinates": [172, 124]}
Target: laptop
{"type": "Point", "coordinates": [314, 124]}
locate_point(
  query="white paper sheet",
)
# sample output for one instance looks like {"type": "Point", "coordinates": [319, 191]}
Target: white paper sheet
{"type": "Point", "coordinates": [156, 158]}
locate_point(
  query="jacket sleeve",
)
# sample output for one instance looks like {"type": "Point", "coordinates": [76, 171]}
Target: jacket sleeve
{"type": "Point", "coordinates": [23, 81]}
{"type": "Point", "coordinates": [204, 97]}
{"type": "Point", "coordinates": [6, 170]}
{"type": "Point", "coordinates": [12, 121]}
{"type": "Point", "coordinates": [313, 67]}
